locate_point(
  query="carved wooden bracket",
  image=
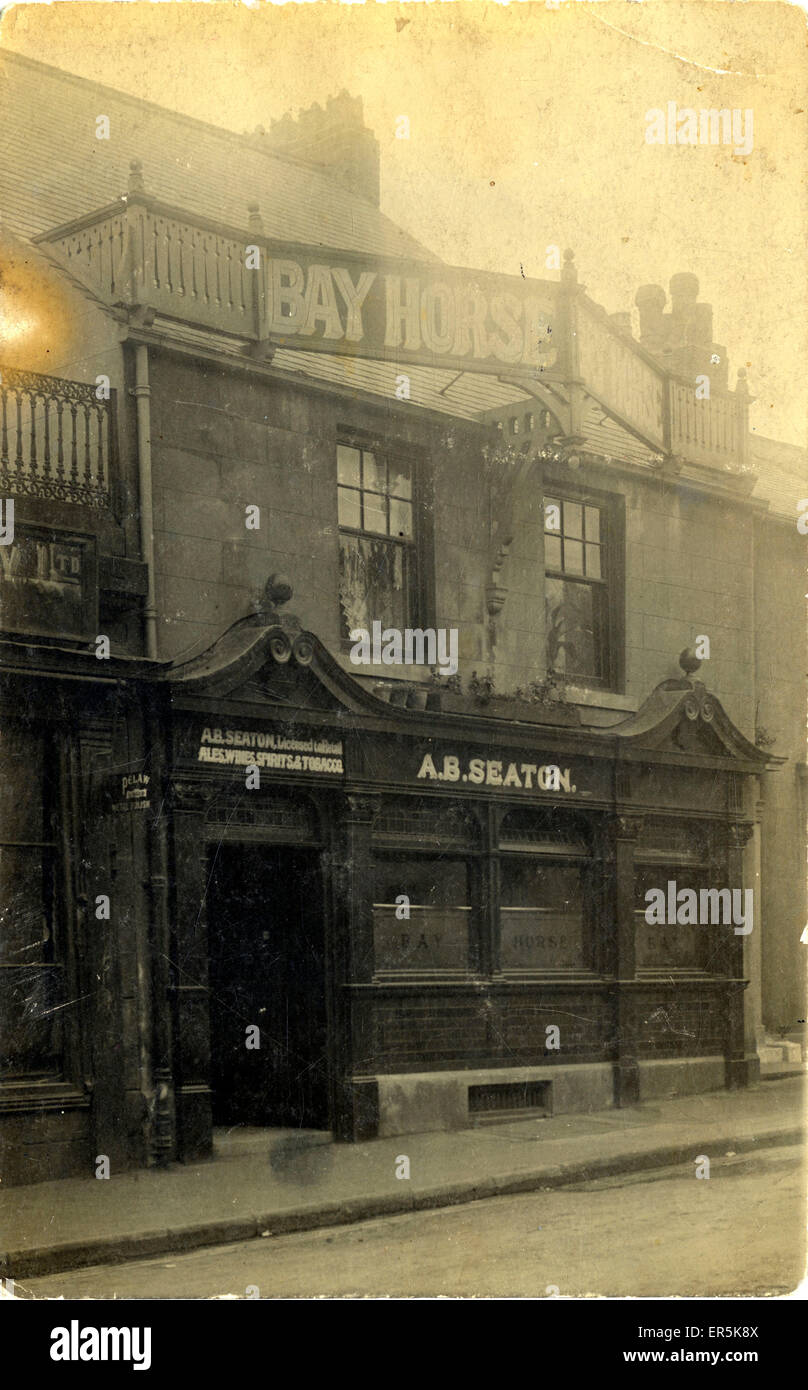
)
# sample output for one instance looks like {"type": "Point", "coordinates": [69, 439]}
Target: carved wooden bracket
{"type": "Point", "coordinates": [507, 467]}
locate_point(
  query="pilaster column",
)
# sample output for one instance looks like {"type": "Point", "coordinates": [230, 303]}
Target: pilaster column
{"type": "Point", "coordinates": [739, 957]}
{"type": "Point", "coordinates": [625, 831]}
{"type": "Point", "coordinates": [189, 972]}
{"type": "Point", "coordinates": [490, 959]}
{"type": "Point", "coordinates": [356, 1104]}
{"type": "Point", "coordinates": [164, 1129]}
{"type": "Point", "coordinates": [359, 813]}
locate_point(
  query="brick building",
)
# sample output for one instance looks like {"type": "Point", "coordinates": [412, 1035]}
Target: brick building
{"type": "Point", "coordinates": [244, 415]}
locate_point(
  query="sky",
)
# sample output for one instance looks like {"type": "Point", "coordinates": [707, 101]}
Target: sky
{"type": "Point", "coordinates": [527, 127]}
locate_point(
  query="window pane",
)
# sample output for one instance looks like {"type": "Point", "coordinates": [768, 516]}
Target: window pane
{"type": "Point", "coordinates": [25, 932]}
{"type": "Point", "coordinates": [673, 944]}
{"type": "Point", "coordinates": [427, 882]}
{"type": "Point", "coordinates": [375, 518]}
{"type": "Point", "coordinates": [541, 917]}
{"type": "Point", "coordinates": [573, 629]}
{"type": "Point", "coordinates": [552, 552]}
{"type": "Point", "coordinates": [347, 465]}
{"type": "Point", "coordinates": [436, 935]}
{"type": "Point", "coordinates": [593, 523]}
{"type": "Point", "coordinates": [552, 514]}
{"type": "Point", "coordinates": [593, 561]}
{"type": "Point", "coordinates": [349, 512]}
{"type": "Point", "coordinates": [573, 557]}
{"type": "Point", "coordinates": [400, 479]}
{"type": "Point", "coordinates": [374, 583]}
{"type": "Point", "coordinates": [573, 519]}
{"type": "Point", "coordinates": [400, 519]}
{"type": "Point", "coordinates": [374, 472]}
{"type": "Point", "coordinates": [32, 1009]}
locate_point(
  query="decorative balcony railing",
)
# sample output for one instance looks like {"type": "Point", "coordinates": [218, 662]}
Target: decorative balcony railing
{"type": "Point", "coordinates": [179, 266]}
{"type": "Point", "coordinates": [147, 254]}
{"type": "Point", "coordinates": [707, 431]}
{"type": "Point", "coordinates": [664, 409]}
{"type": "Point", "coordinates": [56, 438]}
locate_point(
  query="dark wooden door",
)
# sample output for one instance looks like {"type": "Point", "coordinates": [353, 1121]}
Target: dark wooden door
{"type": "Point", "coordinates": [265, 927]}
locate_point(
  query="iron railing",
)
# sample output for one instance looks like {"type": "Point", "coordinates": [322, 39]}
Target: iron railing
{"type": "Point", "coordinates": [56, 438]}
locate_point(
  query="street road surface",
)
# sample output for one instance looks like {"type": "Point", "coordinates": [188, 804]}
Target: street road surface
{"type": "Point", "coordinates": [740, 1232]}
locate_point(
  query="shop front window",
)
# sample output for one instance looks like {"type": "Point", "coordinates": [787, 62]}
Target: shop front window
{"type": "Point", "coordinates": [543, 919]}
{"type": "Point", "coordinates": [421, 914]}
{"type": "Point", "coordinates": [541, 916]}
{"type": "Point", "coordinates": [671, 855]}
{"type": "Point", "coordinates": [673, 945]}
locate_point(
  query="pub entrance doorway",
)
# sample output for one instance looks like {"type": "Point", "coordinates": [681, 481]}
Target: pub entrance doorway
{"type": "Point", "coordinates": [267, 973]}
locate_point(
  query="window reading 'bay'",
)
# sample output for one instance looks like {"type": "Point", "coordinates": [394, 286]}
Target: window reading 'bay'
{"type": "Point", "coordinates": [576, 594]}
{"type": "Point", "coordinates": [376, 539]}
{"type": "Point", "coordinates": [434, 935]}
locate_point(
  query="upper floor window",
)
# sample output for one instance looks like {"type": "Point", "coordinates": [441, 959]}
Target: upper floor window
{"type": "Point", "coordinates": [377, 539]}
{"type": "Point", "coordinates": [577, 566]}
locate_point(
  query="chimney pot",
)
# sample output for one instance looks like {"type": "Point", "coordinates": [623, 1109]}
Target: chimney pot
{"type": "Point", "coordinates": [335, 140]}
{"type": "Point", "coordinates": [650, 301]}
{"type": "Point", "coordinates": [684, 289]}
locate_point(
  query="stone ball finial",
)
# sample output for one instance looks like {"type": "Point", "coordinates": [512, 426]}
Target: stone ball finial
{"type": "Point", "coordinates": [688, 660]}
{"type": "Point", "coordinates": [136, 184]}
{"type": "Point", "coordinates": [278, 589]}
{"type": "Point", "coordinates": [569, 272]}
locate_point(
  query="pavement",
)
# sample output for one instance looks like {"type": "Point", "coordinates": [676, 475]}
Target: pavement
{"type": "Point", "coordinates": [271, 1182]}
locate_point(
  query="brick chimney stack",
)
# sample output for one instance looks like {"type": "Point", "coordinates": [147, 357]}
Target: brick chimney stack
{"type": "Point", "coordinates": [336, 140]}
{"type": "Point", "coordinates": [683, 336]}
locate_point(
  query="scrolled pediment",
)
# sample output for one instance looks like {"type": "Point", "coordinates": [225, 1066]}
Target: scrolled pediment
{"type": "Point", "coordinates": [683, 716]}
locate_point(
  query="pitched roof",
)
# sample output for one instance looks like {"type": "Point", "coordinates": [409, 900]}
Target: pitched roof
{"type": "Point", "coordinates": [54, 169]}
{"type": "Point", "coordinates": [782, 471]}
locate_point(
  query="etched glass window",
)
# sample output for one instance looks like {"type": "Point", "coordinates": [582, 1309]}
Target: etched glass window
{"type": "Point", "coordinates": [675, 944]}
{"type": "Point", "coordinates": [434, 936]}
{"type": "Point", "coordinates": [541, 915]}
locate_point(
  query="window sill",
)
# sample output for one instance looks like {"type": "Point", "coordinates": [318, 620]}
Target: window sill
{"type": "Point", "coordinates": [595, 697]}
{"type": "Point", "coordinates": [408, 675]}
{"type": "Point", "coordinates": [40, 1093]}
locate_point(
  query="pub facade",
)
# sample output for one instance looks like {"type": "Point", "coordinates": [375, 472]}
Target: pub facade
{"type": "Point", "coordinates": [256, 881]}
{"type": "Point", "coordinates": [455, 901]}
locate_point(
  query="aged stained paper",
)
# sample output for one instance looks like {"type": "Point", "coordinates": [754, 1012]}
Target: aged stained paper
{"type": "Point", "coordinates": [405, 497]}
